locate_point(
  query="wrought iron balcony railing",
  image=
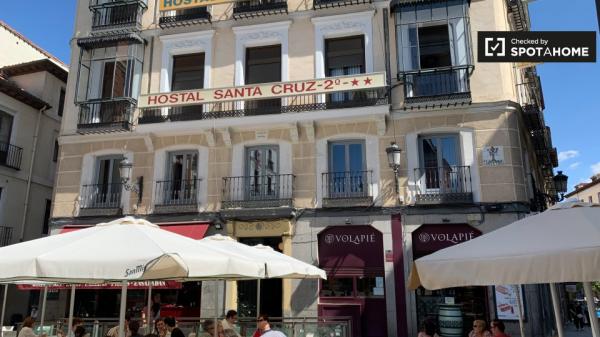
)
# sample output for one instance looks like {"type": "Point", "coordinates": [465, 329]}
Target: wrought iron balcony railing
{"type": "Point", "coordinates": [177, 192]}
{"type": "Point", "coordinates": [318, 4]}
{"type": "Point", "coordinates": [253, 8]}
{"type": "Point", "coordinates": [348, 188]}
{"type": "Point", "coordinates": [300, 103]}
{"type": "Point", "coordinates": [122, 15]}
{"type": "Point", "coordinates": [5, 235]}
{"type": "Point", "coordinates": [10, 156]}
{"type": "Point", "coordinates": [184, 17]}
{"type": "Point", "coordinates": [105, 115]}
{"type": "Point", "coordinates": [101, 196]}
{"type": "Point", "coordinates": [440, 185]}
{"type": "Point", "coordinates": [262, 191]}
{"type": "Point", "coordinates": [437, 84]}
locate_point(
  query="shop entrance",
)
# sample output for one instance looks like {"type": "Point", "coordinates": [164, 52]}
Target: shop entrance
{"type": "Point", "coordinates": [271, 297]}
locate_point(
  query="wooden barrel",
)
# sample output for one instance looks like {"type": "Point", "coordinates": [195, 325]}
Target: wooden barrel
{"type": "Point", "coordinates": [450, 320]}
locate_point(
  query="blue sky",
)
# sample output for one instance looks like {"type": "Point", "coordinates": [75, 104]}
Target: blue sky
{"type": "Point", "coordinates": [571, 90]}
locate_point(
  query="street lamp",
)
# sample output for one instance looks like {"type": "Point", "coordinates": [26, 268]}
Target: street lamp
{"type": "Point", "coordinates": [560, 184]}
{"type": "Point", "coordinates": [125, 169]}
{"type": "Point", "coordinates": [393, 155]}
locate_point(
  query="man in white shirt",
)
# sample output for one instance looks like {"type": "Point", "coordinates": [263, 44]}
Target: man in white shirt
{"type": "Point", "coordinates": [229, 322]}
{"type": "Point", "coordinates": [265, 327]}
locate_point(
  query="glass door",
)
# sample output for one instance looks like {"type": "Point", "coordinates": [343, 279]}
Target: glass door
{"type": "Point", "coordinates": [440, 158]}
{"type": "Point", "coordinates": [262, 173]}
{"type": "Point", "coordinates": [108, 183]}
{"type": "Point", "coordinates": [183, 177]}
{"type": "Point", "coordinates": [347, 175]}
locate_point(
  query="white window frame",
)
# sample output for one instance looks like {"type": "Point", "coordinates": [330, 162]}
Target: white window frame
{"type": "Point", "coordinates": [182, 44]}
{"type": "Point", "coordinates": [343, 25]}
{"type": "Point", "coordinates": [371, 162]}
{"type": "Point", "coordinates": [160, 171]}
{"type": "Point", "coordinates": [467, 148]}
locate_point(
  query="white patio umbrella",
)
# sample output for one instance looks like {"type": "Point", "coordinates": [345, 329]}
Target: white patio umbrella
{"type": "Point", "coordinates": [126, 249]}
{"type": "Point", "coordinates": [561, 244]}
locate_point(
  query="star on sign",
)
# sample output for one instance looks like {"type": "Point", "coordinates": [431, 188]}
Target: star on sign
{"type": "Point", "coordinates": [368, 81]}
{"type": "Point", "coordinates": [354, 82]}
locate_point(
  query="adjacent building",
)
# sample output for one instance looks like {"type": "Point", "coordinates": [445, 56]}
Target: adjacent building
{"type": "Point", "coordinates": [271, 121]}
{"type": "Point", "coordinates": [32, 93]}
{"type": "Point", "coordinates": [587, 192]}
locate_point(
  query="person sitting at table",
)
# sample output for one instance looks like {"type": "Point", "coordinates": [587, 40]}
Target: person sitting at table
{"type": "Point", "coordinates": [27, 329]}
{"type": "Point", "coordinates": [172, 328]}
{"type": "Point", "coordinates": [114, 331]}
{"type": "Point", "coordinates": [79, 331]}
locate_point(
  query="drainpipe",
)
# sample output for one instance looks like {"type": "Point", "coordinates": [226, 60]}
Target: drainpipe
{"type": "Point", "coordinates": [33, 152]}
{"type": "Point", "coordinates": [386, 41]}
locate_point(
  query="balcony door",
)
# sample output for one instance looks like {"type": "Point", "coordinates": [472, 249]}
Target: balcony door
{"type": "Point", "coordinates": [347, 169]}
{"type": "Point", "coordinates": [441, 164]}
{"type": "Point", "coordinates": [107, 191]}
{"type": "Point", "coordinates": [344, 56]}
{"type": "Point", "coordinates": [262, 173]}
{"type": "Point", "coordinates": [263, 65]}
{"type": "Point", "coordinates": [181, 184]}
{"type": "Point", "coordinates": [6, 122]}
{"type": "Point", "coordinates": [188, 74]}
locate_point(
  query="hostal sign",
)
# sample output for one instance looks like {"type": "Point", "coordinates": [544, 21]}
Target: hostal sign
{"type": "Point", "coordinates": [263, 91]}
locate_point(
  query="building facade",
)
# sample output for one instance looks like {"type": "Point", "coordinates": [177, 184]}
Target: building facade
{"type": "Point", "coordinates": [32, 91]}
{"type": "Point", "coordinates": [269, 121]}
{"type": "Point", "coordinates": [587, 192]}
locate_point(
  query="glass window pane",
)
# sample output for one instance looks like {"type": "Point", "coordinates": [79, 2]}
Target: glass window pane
{"type": "Point", "coordinates": [429, 148]}
{"type": "Point", "coordinates": [438, 11]}
{"type": "Point", "coordinates": [337, 287]}
{"type": "Point", "coordinates": [449, 151]}
{"type": "Point", "coordinates": [424, 12]}
{"type": "Point", "coordinates": [408, 14]}
{"type": "Point", "coordinates": [370, 286]}
{"type": "Point", "coordinates": [356, 157]}
{"type": "Point", "coordinates": [338, 158]}
{"type": "Point", "coordinates": [434, 47]}
{"type": "Point", "coordinates": [6, 122]}
{"type": "Point", "coordinates": [188, 72]}
{"type": "Point", "coordinates": [263, 64]}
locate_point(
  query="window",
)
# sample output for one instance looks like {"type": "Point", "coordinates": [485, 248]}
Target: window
{"type": "Point", "coordinates": [45, 228]}
{"type": "Point", "coordinates": [347, 174]}
{"type": "Point", "coordinates": [590, 199]}
{"type": "Point", "coordinates": [598, 197]}
{"type": "Point", "coordinates": [6, 122]}
{"type": "Point", "coordinates": [106, 193]}
{"type": "Point", "coordinates": [61, 102]}
{"type": "Point", "coordinates": [344, 56]}
{"type": "Point", "coordinates": [188, 73]}
{"type": "Point", "coordinates": [262, 172]}
{"type": "Point", "coordinates": [55, 152]}
{"type": "Point", "coordinates": [263, 65]}
{"type": "Point", "coordinates": [433, 35]}
{"type": "Point", "coordinates": [440, 162]}
{"type": "Point", "coordinates": [369, 286]}
{"type": "Point", "coordinates": [337, 287]}
{"type": "Point", "coordinates": [182, 171]}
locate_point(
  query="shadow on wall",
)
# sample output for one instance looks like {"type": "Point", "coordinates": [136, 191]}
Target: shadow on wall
{"type": "Point", "coordinates": [304, 295]}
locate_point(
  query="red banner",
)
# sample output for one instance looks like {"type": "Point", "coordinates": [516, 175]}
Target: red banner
{"type": "Point", "coordinates": [116, 285]}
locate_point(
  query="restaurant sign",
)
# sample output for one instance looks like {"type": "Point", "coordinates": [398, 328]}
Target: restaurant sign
{"type": "Point", "coordinates": [264, 90]}
{"type": "Point", "coordinates": [110, 285]}
{"type": "Point", "coordinates": [171, 5]}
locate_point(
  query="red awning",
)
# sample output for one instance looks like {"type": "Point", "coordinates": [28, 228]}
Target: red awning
{"type": "Point", "coordinates": [195, 230]}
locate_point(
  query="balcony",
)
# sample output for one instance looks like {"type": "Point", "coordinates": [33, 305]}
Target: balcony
{"type": "Point", "coordinates": [176, 196]}
{"type": "Point", "coordinates": [118, 16]}
{"type": "Point", "coordinates": [100, 199]}
{"type": "Point", "coordinates": [531, 99]}
{"type": "Point", "coordinates": [5, 235]}
{"type": "Point", "coordinates": [264, 191]}
{"type": "Point", "coordinates": [185, 17]}
{"type": "Point", "coordinates": [437, 86]}
{"type": "Point", "coordinates": [10, 156]}
{"type": "Point", "coordinates": [444, 185]}
{"type": "Point", "coordinates": [241, 108]}
{"type": "Point", "coordinates": [105, 115]}
{"type": "Point", "coordinates": [255, 8]}
{"type": "Point", "coordinates": [319, 4]}
{"type": "Point", "coordinates": [347, 189]}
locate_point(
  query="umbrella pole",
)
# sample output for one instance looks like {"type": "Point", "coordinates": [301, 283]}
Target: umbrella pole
{"type": "Point", "coordinates": [122, 311]}
{"type": "Point", "coordinates": [3, 309]}
{"type": "Point", "coordinates": [43, 313]}
{"type": "Point", "coordinates": [258, 298]}
{"type": "Point", "coordinates": [71, 309]}
{"type": "Point", "coordinates": [517, 289]}
{"type": "Point", "coordinates": [150, 319]}
{"type": "Point", "coordinates": [216, 331]}
{"type": "Point", "coordinates": [556, 307]}
{"type": "Point", "coordinates": [587, 288]}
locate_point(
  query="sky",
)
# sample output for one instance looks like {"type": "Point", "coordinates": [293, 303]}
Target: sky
{"type": "Point", "coordinates": [571, 90]}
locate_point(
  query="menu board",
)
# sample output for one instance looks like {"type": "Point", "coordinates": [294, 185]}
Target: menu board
{"type": "Point", "coordinates": [507, 307]}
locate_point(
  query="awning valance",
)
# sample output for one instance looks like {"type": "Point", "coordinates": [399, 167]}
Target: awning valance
{"type": "Point", "coordinates": [108, 41]}
{"type": "Point", "coordinates": [195, 230]}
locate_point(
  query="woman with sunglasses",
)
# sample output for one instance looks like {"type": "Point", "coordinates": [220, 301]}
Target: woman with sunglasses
{"type": "Point", "coordinates": [479, 329]}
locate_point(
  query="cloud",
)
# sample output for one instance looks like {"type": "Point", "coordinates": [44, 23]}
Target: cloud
{"type": "Point", "coordinates": [564, 155]}
{"type": "Point", "coordinates": [595, 168]}
{"type": "Point", "coordinates": [574, 165]}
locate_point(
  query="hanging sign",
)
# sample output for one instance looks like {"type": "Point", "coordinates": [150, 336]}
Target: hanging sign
{"type": "Point", "coordinates": [171, 5]}
{"type": "Point", "coordinates": [507, 304]}
{"type": "Point", "coordinates": [263, 90]}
